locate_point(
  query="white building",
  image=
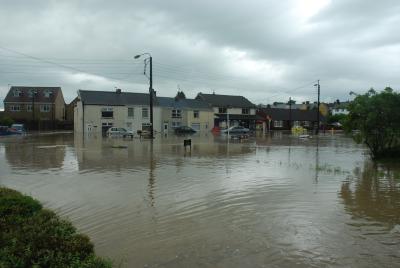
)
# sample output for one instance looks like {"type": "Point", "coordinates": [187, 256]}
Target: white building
{"type": "Point", "coordinates": [96, 111]}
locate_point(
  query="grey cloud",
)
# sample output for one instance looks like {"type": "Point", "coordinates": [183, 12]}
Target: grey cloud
{"type": "Point", "coordinates": [349, 45]}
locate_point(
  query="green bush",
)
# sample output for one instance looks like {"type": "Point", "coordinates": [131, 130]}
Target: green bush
{"type": "Point", "coordinates": [6, 121]}
{"type": "Point", "coordinates": [31, 236]}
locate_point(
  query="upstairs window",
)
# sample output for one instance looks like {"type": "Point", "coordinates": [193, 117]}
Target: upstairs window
{"type": "Point", "coordinates": [107, 112]}
{"type": "Point", "coordinates": [47, 94]}
{"type": "Point", "coordinates": [130, 112]}
{"type": "Point", "coordinates": [145, 112]}
{"type": "Point", "coordinates": [29, 107]}
{"type": "Point", "coordinates": [278, 123]}
{"type": "Point", "coordinates": [245, 111]}
{"type": "Point", "coordinates": [176, 113]}
{"type": "Point", "coordinates": [196, 114]}
{"type": "Point", "coordinates": [15, 108]}
{"type": "Point", "coordinates": [222, 110]}
{"type": "Point", "coordinates": [17, 93]}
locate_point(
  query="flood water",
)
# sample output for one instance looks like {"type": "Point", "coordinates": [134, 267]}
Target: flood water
{"type": "Point", "coordinates": [274, 201]}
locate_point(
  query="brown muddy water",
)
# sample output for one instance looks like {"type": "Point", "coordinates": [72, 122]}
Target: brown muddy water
{"type": "Point", "coordinates": [274, 201]}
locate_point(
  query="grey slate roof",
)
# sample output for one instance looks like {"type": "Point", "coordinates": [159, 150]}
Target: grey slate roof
{"type": "Point", "coordinates": [183, 103]}
{"type": "Point", "coordinates": [225, 100]}
{"type": "Point", "coordinates": [113, 98]}
{"type": "Point", "coordinates": [39, 96]}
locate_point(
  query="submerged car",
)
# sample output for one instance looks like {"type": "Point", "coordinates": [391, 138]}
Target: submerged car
{"type": "Point", "coordinates": [17, 129]}
{"type": "Point", "coordinates": [236, 129]}
{"type": "Point", "coordinates": [119, 131]}
{"type": "Point", "coordinates": [184, 129]}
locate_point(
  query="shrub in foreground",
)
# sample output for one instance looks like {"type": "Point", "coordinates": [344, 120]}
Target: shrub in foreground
{"type": "Point", "coordinates": [31, 236]}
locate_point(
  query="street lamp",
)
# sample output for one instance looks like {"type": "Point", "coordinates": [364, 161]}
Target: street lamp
{"type": "Point", "coordinates": [319, 88]}
{"type": "Point", "coordinates": [151, 90]}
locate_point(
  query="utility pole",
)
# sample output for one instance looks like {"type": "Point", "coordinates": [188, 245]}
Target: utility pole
{"type": "Point", "coordinates": [319, 89]}
{"type": "Point", "coordinates": [151, 98]}
{"type": "Point", "coordinates": [290, 113]}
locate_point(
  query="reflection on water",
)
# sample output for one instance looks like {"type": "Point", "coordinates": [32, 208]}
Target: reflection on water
{"type": "Point", "coordinates": [270, 201]}
{"type": "Point", "coordinates": [374, 193]}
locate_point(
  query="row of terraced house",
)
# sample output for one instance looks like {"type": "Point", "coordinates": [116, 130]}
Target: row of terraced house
{"type": "Point", "coordinates": [96, 111]}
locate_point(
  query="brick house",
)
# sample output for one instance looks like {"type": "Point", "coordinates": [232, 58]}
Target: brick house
{"type": "Point", "coordinates": [35, 106]}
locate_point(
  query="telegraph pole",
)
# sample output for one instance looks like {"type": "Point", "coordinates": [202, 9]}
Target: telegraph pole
{"type": "Point", "coordinates": [319, 90]}
{"type": "Point", "coordinates": [151, 98]}
{"type": "Point", "coordinates": [290, 113]}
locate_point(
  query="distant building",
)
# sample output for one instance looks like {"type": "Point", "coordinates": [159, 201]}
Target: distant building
{"type": "Point", "coordinates": [284, 119]}
{"type": "Point", "coordinates": [97, 111]}
{"type": "Point", "coordinates": [29, 105]}
{"type": "Point", "coordinates": [238, 109]}
{"type": "Point", "coordinates": [338, 107]}
{"type": "Point", "coordinates": [194, 113]}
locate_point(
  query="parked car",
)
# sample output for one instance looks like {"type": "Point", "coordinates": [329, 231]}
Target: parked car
{"type": "Point", "coordinates": [236, 129]}
{"type": "Point", "coordinates": [17, 129]}
{"type": "Point", "coordinates": [119, 131]}
{"type": "Point", "coordinates": [4, 131]}
{"type": "Point", "coordinates": [184, 129]}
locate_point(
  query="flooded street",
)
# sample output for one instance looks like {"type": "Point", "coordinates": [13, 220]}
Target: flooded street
{"type": "Point", "coordinates": [274, 201]}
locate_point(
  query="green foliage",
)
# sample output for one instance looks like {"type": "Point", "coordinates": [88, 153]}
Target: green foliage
{"type": "Point", "coordinates": [6, 121]}
{"type": "Point", "coordinates": [376, 117]}
{"type": "Point", "coordinates": [341, 118]}
{"type": "Point", "coordinates": [34, 237]}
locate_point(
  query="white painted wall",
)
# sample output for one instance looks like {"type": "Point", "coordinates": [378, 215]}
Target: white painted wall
{"type": "Point", "coordinates": [93, 119]}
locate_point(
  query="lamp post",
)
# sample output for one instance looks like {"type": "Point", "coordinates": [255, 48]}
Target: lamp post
{"type": "Point", "coordinates": [318, 87]}
{"type": "Point", "coordinates": [151, 90]}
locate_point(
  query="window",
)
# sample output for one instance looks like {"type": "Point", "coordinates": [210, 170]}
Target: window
{"type": "Point", "coordinates": [146, 126]}
{"type": "Point", "coordinates": [222, 110]}
{"type": "Point", "coordinates": [130, 112]}
{"type": "Point", "coordinates": [29, 107]}
{"type": "Point", "coordinates": [45, 108]}
{"type": "Point", "coordinates": [47, 93]}
{"type": "Point", "coordinates": [196, 114]}
{"type": "Point", "coordinates": [306, 123]}
{"type": "Point", "coordinates": [278, 123]}
{"type": "Point", "coordinates": [107, 112]}
{"type": "Point", "coordinates": [176, 114]}
{"type": "Point", "coordinates": [245, 111]}
{"type": "Point", "coordinates": [176, 124]}
{"type": "Point", "coordinates": [145, 112]}
{"type": "Point", "coordinates": [296, 124]}
{"type": "Point", "coordinates": [17, 93]}
{"type": "Point", "coordinates": [129, 126]}
{"type": "Point", "coordinates": [15, 108]}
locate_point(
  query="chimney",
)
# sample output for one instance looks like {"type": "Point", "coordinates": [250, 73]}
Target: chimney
{"type": "Point", "coordinates": [118, 91]}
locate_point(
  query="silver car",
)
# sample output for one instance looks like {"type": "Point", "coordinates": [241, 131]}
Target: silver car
{"type": "Point", "coordinates": [236, 129]}
{"type": "Point", "coordinates": [119, 131]}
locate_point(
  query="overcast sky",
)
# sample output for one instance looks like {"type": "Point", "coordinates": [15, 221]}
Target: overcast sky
{"type": "Point", "coordinates": [264, 50]}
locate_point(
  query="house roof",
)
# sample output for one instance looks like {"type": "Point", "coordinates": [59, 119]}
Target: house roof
{"type": "Point", "coordinates": [39, 96]}
{"type": "Point", "coordinates": [284, 114]}
{"type": "Point", "coordinates": [113, 98]}
{"type": "Point", "coordinates": [183, 103]}
{"type": "Point", "coordinates": [225, 100]}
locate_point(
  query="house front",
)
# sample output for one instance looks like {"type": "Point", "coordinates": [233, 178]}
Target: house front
{"type": "Point", "coordinates": [30, 105]}
{"type": "Point", "coordinates": [96, 111]}
{"type": "Point", "coordinates": [194, 113]}
{"type": "Point", "coordinates": [284, 119]}
{"type": "Point", "coordinates": [230, 110]}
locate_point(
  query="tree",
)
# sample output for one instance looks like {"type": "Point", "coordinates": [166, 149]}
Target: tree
{"type": "Point", "coordinates": [376, 117]}
{"type": "Point", "coordinates": [6, 121]}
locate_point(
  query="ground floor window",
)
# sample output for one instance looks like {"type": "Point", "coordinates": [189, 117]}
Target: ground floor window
{"type": "Point", "coordinates": [129, 126]}
{"type": "Point", "coordinates": [29, 107]}
{"type": "Point", "coordinates": [196, 126]}
{"type": "Point", "coordinates": [45, 108]}
{"type": "Point", "coordinates": [176, 124]}
{"type": "Point", "coordinates": [146, 126]}
{"type": "Point", "coordinates": [278, 123]}
{"type": "Point", "coordinates": [296, 123]}
{"type": "Point", "coordinates": [306, 123]}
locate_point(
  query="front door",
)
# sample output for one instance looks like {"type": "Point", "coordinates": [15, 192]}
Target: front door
{"type": "Point", "coordinates": [165, 127]}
